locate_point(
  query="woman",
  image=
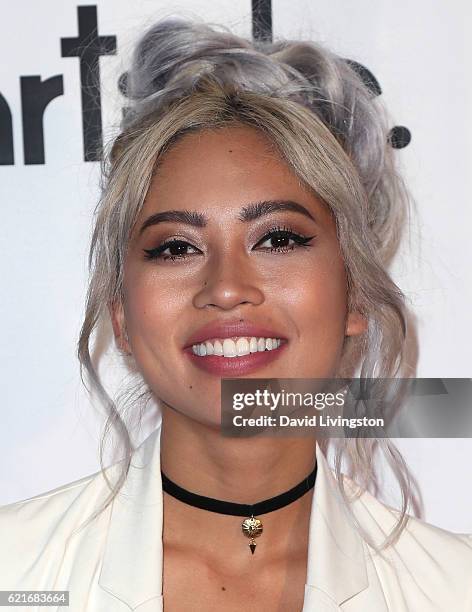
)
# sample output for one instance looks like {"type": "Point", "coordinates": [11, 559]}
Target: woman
{"type": "Point", "coordinates": [250, 210]}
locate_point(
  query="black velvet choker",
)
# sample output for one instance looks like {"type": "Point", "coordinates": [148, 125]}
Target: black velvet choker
{"type": "Point", "coordinates": [251, 527]}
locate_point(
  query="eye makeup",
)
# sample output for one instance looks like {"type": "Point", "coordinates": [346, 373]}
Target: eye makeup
{"type": "Point", "coordinates": [276, 233]}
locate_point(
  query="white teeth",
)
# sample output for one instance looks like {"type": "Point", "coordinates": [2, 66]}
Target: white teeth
{"type": "Point", "coordinates": [253, 345]}
{"type": "Point", "coordinates": [242, 347]}
{"type": "Point", "coordinates": [229, 347]}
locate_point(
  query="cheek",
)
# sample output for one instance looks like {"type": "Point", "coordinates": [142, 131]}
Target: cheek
{"type": "Point", "coordinates": [151, 306]}
{"type": "Point", "coordinates": [318, 310]}
{"type": "Point", "coordinates": [320, 298]}
{"type": "Point", "coordinates": [152, 313]}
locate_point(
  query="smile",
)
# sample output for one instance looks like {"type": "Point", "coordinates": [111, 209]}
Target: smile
{"type": "Point", "coordinates": [230, 363]}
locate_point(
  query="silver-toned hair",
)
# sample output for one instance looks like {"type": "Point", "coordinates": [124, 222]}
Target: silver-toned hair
{"type": "Point", "coordinates": [326, 125]}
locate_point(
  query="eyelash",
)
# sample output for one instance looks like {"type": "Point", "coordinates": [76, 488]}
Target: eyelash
{"type": "Point", "coordinates": [280, 232]}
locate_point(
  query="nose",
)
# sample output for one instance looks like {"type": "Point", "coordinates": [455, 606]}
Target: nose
{"type": "Point", "coordinates": [229, 282]}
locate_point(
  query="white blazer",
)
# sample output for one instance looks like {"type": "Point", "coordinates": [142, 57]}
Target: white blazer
{"type": "Point", "coordinates": [115, 564]}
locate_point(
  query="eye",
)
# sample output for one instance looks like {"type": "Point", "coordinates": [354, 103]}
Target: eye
{"type": "Point", "coordinates": [281, 237]}
{"type": "Point", "coordinates": [177, 250]}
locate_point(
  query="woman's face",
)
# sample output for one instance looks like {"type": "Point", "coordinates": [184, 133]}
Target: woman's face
{"type": "Point", "coordinates": [223, 271]}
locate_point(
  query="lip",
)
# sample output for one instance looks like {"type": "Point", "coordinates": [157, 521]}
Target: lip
{"type": "Point", "coordinates": [230, 328]}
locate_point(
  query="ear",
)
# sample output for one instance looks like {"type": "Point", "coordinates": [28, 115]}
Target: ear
{"type": "Point", "coordinates": [356, 324]}
{"type": "Point", "coordinates": [119, 326]}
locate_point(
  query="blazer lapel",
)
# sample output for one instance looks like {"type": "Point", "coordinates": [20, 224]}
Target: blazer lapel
{"type": "Point", "coordinates": [336, 569]}
{"type": "Point", "coordinates": [133, 560]}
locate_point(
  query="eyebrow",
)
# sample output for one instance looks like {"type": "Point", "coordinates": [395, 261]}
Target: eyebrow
{"type": "Point", "coordinates": [248, 213]}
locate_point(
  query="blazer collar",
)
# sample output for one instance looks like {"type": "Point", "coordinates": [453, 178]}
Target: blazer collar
{"type": "Point", "coordinates": [133, 558]}
{"type": "Point", "coordinates": [336, 569]}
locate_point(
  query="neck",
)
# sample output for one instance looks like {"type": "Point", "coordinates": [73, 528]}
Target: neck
{"type": "Point", "coordinates": [242, 470]}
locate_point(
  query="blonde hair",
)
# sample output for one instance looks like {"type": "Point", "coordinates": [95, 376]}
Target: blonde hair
{"type": "Point", "coordinates": [322, 119]}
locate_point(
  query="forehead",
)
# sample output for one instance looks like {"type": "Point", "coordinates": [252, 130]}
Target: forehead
{"type": "Point", "coordinates": [222, 169]}
{"type": "Point", "coordinates": [234, 146]}
{"type": "Point", "coordinates": [231, 159]}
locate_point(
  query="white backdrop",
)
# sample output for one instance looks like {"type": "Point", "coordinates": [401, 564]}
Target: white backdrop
{"type": "Point", "coordinates": [417, 51]}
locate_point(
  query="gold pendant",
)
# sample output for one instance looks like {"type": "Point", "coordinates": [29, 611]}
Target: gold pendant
{"type": "Point", "coordinates": [252, 528]}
